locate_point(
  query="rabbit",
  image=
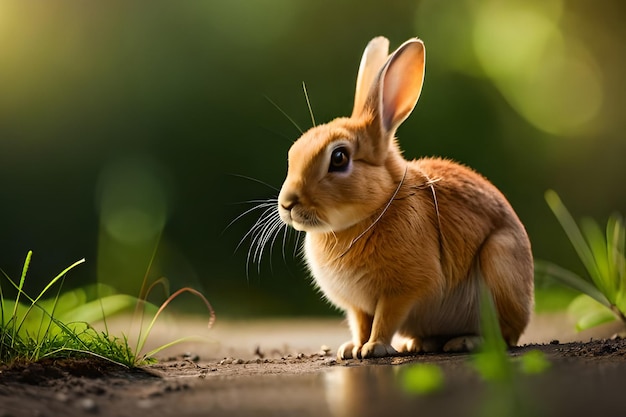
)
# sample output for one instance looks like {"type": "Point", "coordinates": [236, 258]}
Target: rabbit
{"type": "Point", "coordinates": [403, 247]}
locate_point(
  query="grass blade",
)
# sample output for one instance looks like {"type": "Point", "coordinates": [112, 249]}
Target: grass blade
{"type": "Point", "coordinates": [616, 249]}
{"type": "Point", "coordinates": [598, 245]}
{"type": "Point", "coordinates": [23, 278]}
{"type": "Point", "coordinates": [491, 360]}
{"type": "Point", "coordinates": [19, 292]}
{"type": "Point", "coordinates": [46, 288]}
{"type": "Point", "coordinates": [589, 313]}
{"type": "Point", "coordinates": [142, 302]}
{"type": "Point", "coordinates": [572, 280]}
{"type": "Point", "coordinates": [173, 343]}
{"type": "Point", "coordinates": [58, 277]}
{"type": "Point", "coordinates": [142, 339]}
{"type": "Point", "coordinates": [573, 232]}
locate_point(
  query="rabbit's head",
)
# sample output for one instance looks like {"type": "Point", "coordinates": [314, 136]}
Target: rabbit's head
{"type": "Point", "coordinates": [342, 172]}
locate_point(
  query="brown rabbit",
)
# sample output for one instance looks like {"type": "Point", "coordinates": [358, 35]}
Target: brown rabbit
{"type": "Point", "coordinates": [404, 247]}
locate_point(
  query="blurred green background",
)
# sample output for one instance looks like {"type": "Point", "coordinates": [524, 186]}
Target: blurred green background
{"type": "Point", "coordinates": [122, 124]}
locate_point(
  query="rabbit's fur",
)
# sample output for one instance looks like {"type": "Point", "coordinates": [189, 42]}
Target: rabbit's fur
{"type": "Point", "coordinates": [404, 247]}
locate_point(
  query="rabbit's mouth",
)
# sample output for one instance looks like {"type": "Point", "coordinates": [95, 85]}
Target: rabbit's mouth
{"type": "Point", "coordinates": [303, 220]}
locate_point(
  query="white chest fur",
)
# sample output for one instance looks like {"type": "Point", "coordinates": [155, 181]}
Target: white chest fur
{"type": "Point", "coordinates": [342, 284]}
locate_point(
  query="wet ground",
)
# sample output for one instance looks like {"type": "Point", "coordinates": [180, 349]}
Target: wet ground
{"type": "Point", "coordinates": [273, 368]}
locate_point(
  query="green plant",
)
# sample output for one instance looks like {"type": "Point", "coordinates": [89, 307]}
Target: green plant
{"type": "Point", "coordinates": [31, 330]}
{"type": "Point", "coordinates": [143, 334]}
{"type": "Point", "coordinates": [422, 378]}
{"type": "Point", "coordinates": [505, 394]}
{"type": "Point", "coordinates": [35, 328]}
{"type": "Point", "coordinates": [492, 360]}
{"type": "Point", "coordinates": [602, 253]}
{"type": "Point", "coordinates": [16, 339]}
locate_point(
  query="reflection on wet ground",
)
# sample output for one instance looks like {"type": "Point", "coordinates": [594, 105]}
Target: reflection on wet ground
{"type": "Point", "coordinates": [372, 391]}
{"type": "Point", "coordinates": [568, 389]}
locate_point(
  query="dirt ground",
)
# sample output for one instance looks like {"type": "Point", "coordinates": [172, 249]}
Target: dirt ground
{"type": "Point", "coordinates": [279, 368]}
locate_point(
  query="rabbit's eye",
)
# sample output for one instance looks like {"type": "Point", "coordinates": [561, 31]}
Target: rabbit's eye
{"type": "Point", "coordinates": [339, 160]}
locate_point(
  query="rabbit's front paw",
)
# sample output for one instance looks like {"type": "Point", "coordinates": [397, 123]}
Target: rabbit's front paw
{"type": "Point", "coordinates": [348, 351]}
{"type": "Point", "coordinates": [376, 350]}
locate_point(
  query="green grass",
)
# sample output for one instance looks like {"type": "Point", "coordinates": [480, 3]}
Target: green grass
{"type": "Point", "coordinates": [492, 360]}
{"type": "Point", "coordinates": [602, 252]}
{"type": "Point", "coordinates": [506, 396]}
{"type": "Point", "coordinates": [32, 329]}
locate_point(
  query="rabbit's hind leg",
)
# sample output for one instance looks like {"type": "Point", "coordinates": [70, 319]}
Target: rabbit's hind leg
{"type": "Point", "coordinates": [466, 343]}
{"type": "Point", "coordinates": [506, 266]}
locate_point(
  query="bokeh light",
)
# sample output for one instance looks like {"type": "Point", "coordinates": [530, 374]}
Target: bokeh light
{"type": "Point", "coordinates": [543, 70]}
{"type": "Point", "coordinates": [133, 200]}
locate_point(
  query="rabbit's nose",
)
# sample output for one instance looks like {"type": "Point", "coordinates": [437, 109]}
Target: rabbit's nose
{"type": "Point", "coordinates": [289, 202]}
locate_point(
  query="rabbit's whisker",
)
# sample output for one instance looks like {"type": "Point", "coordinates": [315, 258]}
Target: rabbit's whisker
{"type": "Point", "coordinates": [266, 234]}
{"type": "Point", "coordinates": [308, 103]}
{"type": "Point", "coordinates": [260, 205]}
{"type": "Point", "coordinates": [297, 244]}
{"type": "Point", "coordinates": [256, 234]}
{"type": "Point", "coordinates": [259, 223]}
{"type": "Point", "coordinates": [245, 177]}
{"type": "Point", "coordinates": [269, 235]}
{"type": "Point", "coordinates": [286, 235]}
{"type": "Point", "coordinates": [293, 122]}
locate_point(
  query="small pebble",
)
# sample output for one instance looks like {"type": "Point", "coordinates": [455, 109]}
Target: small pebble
{"type": "Point", "coordinates": [61, 397]}
{"type": "Point", "coordinates": [330, 362]}
{"type": "Point", "coordinates": [554, 342]}
{"type": "Point", "coordinates": [226, 361]}
{"type": "Point", "coordinates": [191, 356]}
{"type": "Point", "coordinates": [324, 351]}
{"type": "Point", "coordinates": [88, 405]}
{"type": "Point", "coordinates": [300, 356]}
{"type": "Point", "coordinates": [238, 361]}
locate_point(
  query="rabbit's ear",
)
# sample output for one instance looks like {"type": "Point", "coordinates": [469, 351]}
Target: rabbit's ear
{"type": "Point", "coordinates": [374, 57]}
{"type": "Point", "coordinates": [400, 85]}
